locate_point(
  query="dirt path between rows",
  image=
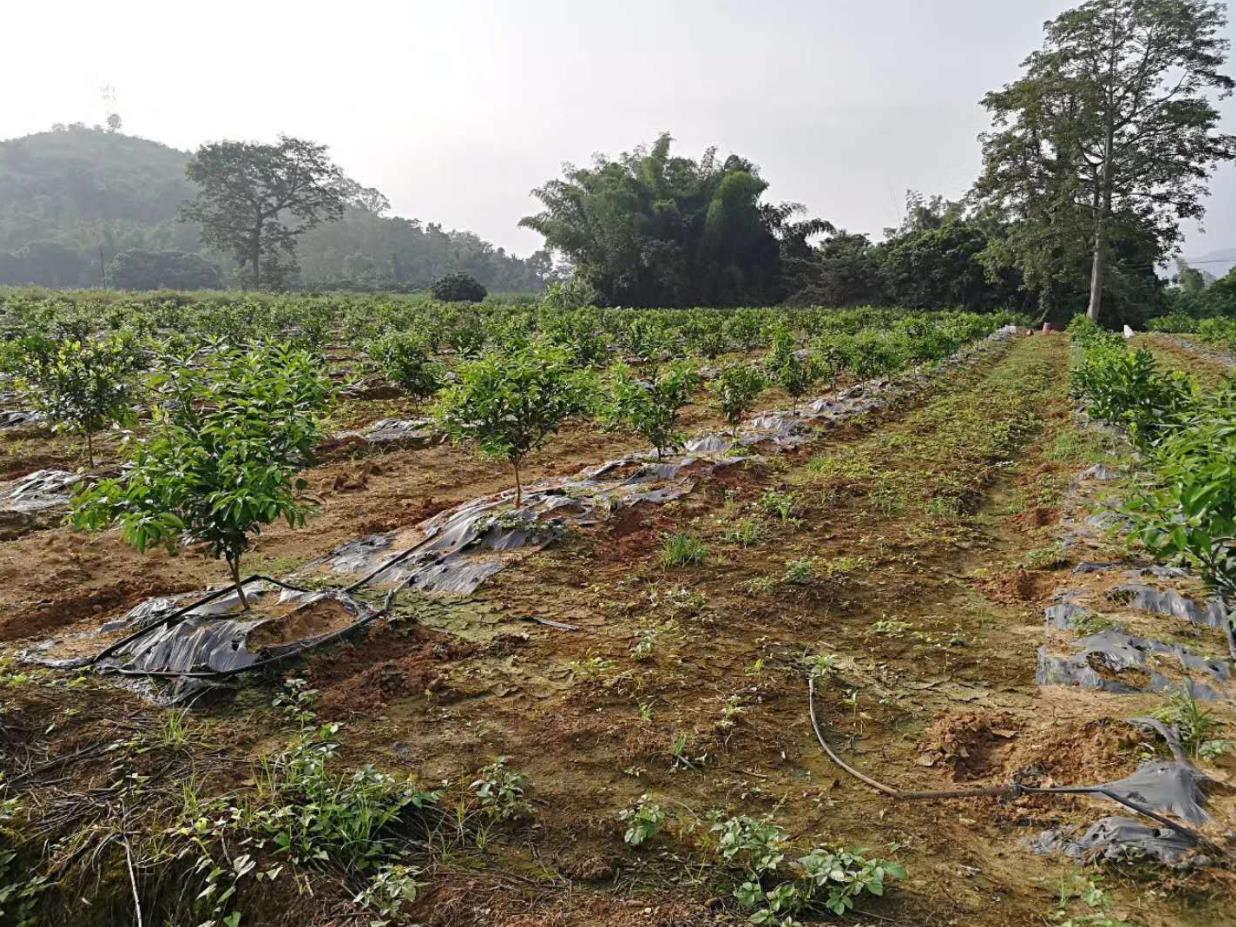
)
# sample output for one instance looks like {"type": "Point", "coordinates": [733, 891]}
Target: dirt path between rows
{"type": "Point", "coordinates": [914, 530]}
{"type": "Point", "coordinates": [913, 550]}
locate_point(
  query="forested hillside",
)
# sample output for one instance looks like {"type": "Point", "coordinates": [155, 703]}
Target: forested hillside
{"type": "Point", "coordinates": [89, 207]}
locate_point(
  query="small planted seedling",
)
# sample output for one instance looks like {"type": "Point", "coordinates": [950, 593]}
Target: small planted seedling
{"type": "Point", "coordinates": [730, 712]}
{"type": "Point", "coordinates": [784, 506]}
{"type": "Point", "coordinates": [679, 759]}
{"type": "Point", "coordinates": [500, 791]}
{"type": "Point", "coordinates": [646, 641]}
{"type": "Point", "coordinates": [820, 665]}
{"type": "Point", "coordinates": [643, 820]}
{"type": "Point", "coordinates": [800, 572]}
{"type": "Point", "coordinates": [745, 533]}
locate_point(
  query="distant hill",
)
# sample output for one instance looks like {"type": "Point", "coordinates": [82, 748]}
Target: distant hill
{"type": "Point", "coordinates": [75, 199]}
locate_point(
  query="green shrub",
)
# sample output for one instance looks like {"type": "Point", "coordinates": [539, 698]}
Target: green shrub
{"type": "Point", "coordinates": [794, 374]}
{"type": "Point", "coordinates": [406, 360]}
{"type": "Point", "coordinates": [458, 288]}
{"type": "Point", "coordinates": [226, 444]}
{"type": "Point", "coordinates": [1188, 513]}
{"type": "Point", "coordinates": [1127, 388]}
{"type": "Point", "coordinates": [650, 406]}
{"type": "Point", "coordinates": [735, 391]}
{"type": "Point", "coordinates": [83, 384]}
{"type": "Point", "coordinates": [508, 404]}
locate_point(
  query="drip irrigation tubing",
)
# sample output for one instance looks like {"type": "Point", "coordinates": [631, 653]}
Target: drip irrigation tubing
{"type": "Point", "coordinates": [184, 610]}
{"type": "Point", "coordinates": [306, 645]}
{"type": "Point", "coordinates": [292, 651]}
{"type": "Point", "coordinates": [1005, 791]}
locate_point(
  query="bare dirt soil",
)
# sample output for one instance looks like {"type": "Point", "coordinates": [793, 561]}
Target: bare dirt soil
{"type": "Point", "coordinates": [919, 550]}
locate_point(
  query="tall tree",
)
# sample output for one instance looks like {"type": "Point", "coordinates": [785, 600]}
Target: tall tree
{"type": "Point", "coordinates": [650, 229]}
{"type": "Point", "coordinates": [256, 200]}
{"type": "Point", "coordinates": [1111, 131]}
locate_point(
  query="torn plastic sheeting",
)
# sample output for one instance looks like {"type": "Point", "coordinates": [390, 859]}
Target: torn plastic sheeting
{"type": "Point", "coordinates": [709, 444]}
{"type": "Point", "coordinates": [1169, 603]}
{"type": "Point", "coordinates": [196, 644]}
{"type": "Point", "coordinates": [18, 418]}
{"type": "Point", "coordinates": [1100, 472]}
{"type": "Point", "coordinates": [1119, 839]}
{"type": "Point", "coordinates": [462, 547]}
{"type": "Point", "coordinates": [1126, 651]}
{"type": "Point", "coordinates": [40, 490]}
{"type": "Point", "coordinates": [415, 432]}
{"type": "Point", "coordinates": [203, 641]}
{"type": "Point", "coordinates": [1065, 616]}
{"type": "Point", "coordinates": [1167, 785]}
{"type": "Point", "coordinates": [151, 611]}
{"type": "Point", "coordinates": [1118, 651]}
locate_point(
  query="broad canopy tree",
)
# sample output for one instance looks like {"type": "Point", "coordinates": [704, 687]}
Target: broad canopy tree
{"type": "Point", "coordinates": [1111, 132]}
{"type": "Point", "coordinates": [650, 229]}
{"type": "Point", "coordinates": [255, 200]}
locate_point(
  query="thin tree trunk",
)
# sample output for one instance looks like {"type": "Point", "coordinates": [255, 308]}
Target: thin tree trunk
{"type": "Point", "coordinates": [1103, 199]}
{"type": "Point", "coordinates": [255, 257]}
{"type": "Point", "coordinates": [90, 449]}
{"type": "Point", "coordinates": [1098, 270]}
{"type": "Point", "coordinates": [233, 564]}
{"type": "Point", "coordinates": [519, 487]}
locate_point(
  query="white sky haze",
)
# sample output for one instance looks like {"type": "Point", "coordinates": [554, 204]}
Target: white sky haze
{"type": "Point", "coordinates": [457, 110]}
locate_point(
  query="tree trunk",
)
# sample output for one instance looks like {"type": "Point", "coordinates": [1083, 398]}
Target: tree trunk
{"type": "Point", "coordinates": [90, 448]}
{"type": "Point", "coordinates": [1103, 197]}
{"type": "Point", "coordinates": [1045, 302]}
{"type": "Point", "coordinates": [233, 564]}
{"type": "Point", "coordinates": [1098, 270]}
{"type": "Point", "coordinates": [255, 257]}
{"type": "Point", "coordinates": [519, 487]}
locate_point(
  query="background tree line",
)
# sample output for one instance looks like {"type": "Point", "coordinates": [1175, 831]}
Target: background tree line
{"type": "Point", "coordinates": [89, 207]}
{"type": "Point", "coordinates": [1096, 153]}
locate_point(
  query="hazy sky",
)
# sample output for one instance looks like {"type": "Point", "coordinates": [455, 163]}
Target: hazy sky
{"type": "Point", "coordinates": [456, 110]}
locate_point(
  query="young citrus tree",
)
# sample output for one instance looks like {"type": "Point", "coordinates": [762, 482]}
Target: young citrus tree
{"type": "Point", "coordinates": [786, 368]}
{"type": "Point", "coordinates": [509, 403]}
{"type": "Point", "coordinates": [735, 391]}
{"type": "Point", "coordinates": [406, 360]}
{"type": "Point", "coordinates": [227, 443]}
{"type": "Point", "coordinates": [1188, 513]}
{"type": "Point", "coordinates": [650, 406]}
{"type": "Point", "coordinates": [82, 384]}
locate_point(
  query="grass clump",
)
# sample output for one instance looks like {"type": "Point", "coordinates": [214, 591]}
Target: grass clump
{"type": "Point", "coordinates": [680, 550]}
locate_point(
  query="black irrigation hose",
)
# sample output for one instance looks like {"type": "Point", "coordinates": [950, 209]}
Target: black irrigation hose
{"type": "Point", "coordinates": [304, 646]}
{"type": "Point", "coordinates": [184, 610]}
{"type": "Point", "coordinates": [1006, 791]}
{"type": "Point", "coordinates": [180, 613]}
